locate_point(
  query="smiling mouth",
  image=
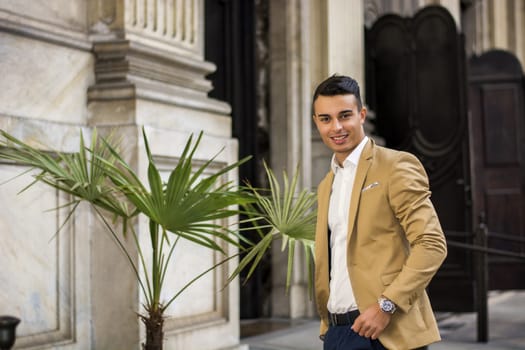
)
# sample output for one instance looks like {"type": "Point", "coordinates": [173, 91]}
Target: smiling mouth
{"type": "Point", "coordinates": [339, 138]}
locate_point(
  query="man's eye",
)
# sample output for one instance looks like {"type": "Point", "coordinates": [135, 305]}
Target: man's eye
{"type": "Point", "coordinates": [345, 116]}
{"type": "Point", "coordinates": [324, 119]}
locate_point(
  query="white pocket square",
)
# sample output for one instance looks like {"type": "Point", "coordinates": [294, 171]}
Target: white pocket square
{"type": "Point", "coordinates": [372, 185]}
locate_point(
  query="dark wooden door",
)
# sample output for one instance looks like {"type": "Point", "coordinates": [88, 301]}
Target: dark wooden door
{"type": "Point", "coordinates": [496, 95]}
{"type": "Point", "coordinates": [416, 85]}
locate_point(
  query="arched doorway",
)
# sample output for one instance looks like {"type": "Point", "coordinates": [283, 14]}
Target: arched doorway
{"type": "Point", "coordinates": [416, 84]}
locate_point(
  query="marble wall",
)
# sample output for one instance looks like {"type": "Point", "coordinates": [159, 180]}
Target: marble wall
{"type": "Point", "coordinates": [40, 268]}
{"type": "Point", "coordinates": [45, 275]}
{"type": "Point", "coordinates": [72, 65]}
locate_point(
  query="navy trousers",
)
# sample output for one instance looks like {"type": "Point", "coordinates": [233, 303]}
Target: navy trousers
{"type": "Point", "coordinates": [344, 338]}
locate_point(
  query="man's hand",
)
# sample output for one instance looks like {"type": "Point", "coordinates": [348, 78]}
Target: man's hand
{"type": "Point", "coordinates": [371, 322]}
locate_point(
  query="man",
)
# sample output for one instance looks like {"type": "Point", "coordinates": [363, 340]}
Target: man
{"type": "Point", "coordinates": [378, 239]}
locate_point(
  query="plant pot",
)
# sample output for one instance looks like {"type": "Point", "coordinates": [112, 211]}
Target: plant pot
{"type": "Point", "coordinates": [8, 331]}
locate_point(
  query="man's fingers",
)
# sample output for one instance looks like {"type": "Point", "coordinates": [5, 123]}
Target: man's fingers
{"type": "Point", "coordinates": [369, 333]}
{"type": "Point", "coordinates": [356, 327]}
{"type": "Point", "coordinates": [362, 328]}
{"type": "Point", "coordinates": [368, 327]}
{"type": "Point", "coordinates": [365, 331]}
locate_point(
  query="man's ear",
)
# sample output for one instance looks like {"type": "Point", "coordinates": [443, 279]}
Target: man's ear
{"type": "Point", "coordinates": [362, 114]}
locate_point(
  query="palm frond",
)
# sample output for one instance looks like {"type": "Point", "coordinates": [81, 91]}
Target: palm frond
{"type": "Point", "coordinates": [280, 213]}
{"type": "Point", "coordinates": [72, 173]}
{"type": "Point", "coordinates": [191, 204]}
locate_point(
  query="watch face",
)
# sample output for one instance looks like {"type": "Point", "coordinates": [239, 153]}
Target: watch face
{"type": "Point", "coordinates": [387, 305]}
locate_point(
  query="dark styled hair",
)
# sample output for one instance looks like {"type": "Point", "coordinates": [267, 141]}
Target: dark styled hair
{"type": "Point", "coordinates": [338, 85]}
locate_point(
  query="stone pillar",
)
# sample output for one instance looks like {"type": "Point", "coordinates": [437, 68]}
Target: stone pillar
{"type": "Point", "coordinates": [150, 71]}
{"type": "Point", "coordinates": [335, 51]}
{"type": "Point", "coordinates": [290, 139]}
{"type": "Point", "coordinates": [345, 48]}
{"type": "Point", "coordinates": [495, 25]}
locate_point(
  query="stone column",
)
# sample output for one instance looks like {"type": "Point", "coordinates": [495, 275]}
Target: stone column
{"type": "Point", "coordinates": [150, 71]}
{"type": "Point", "coordinates": [290, 138]}
{"type": "Point", "coordinates": [335, 50]}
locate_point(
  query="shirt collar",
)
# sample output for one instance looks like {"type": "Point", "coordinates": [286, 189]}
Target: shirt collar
{"type": "Point", "coordinates": [353, 157]}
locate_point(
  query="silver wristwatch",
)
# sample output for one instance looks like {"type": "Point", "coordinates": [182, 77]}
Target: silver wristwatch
{"type": "Point", "coordinates": [387, 305]}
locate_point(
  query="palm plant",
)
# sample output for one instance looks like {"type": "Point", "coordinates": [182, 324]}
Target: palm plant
{"type": "Point", "coordinates": [189, 205]}
{"type": "Point", "coordinates": [280, 212]}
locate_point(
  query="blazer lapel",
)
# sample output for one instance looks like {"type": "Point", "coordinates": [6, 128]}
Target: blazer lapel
{"type": "Point", "coordinates": [362, 169]}
{"type": "Point", "coordinates": [322, 261]}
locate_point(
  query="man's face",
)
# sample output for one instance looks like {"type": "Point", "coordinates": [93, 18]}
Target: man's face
{"type": "Point", "coordinates": [340, 123]}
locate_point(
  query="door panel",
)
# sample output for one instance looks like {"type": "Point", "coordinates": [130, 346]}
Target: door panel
{"type": "Point", "coordinates": [496, 93]}
{"type": "Point", "coordinates": [500, 133]}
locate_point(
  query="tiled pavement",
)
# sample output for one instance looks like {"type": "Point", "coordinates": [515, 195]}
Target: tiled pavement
{"type": "Point", "coordinates": [506, 329]}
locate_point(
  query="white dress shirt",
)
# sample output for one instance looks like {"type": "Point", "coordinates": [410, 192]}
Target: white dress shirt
{"type": "Point", "coordinates": [341, 297]}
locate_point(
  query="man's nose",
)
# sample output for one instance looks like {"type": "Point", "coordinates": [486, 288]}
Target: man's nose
{"type": "Point", "coordinates": [336, 124]}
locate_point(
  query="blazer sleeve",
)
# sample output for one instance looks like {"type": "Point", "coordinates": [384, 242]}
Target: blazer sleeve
{"type": "Point", "coordinates": [409, 197]}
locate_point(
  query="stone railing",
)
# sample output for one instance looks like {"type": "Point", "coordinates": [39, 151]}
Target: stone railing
{"type": "Point", "coordinates": [177, 23]}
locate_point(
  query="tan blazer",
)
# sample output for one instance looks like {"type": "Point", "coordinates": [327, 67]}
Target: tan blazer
{"type": "Point", "coordinates": [395, 244]}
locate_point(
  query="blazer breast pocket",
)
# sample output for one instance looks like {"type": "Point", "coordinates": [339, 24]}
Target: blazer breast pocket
{"type": "Point", "coordinates": [370, 186]}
